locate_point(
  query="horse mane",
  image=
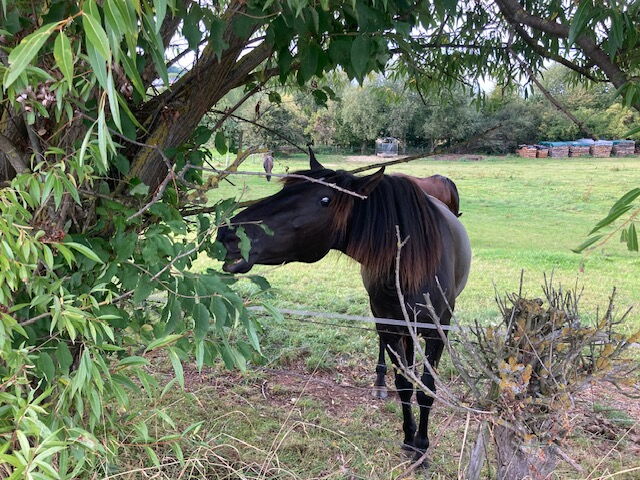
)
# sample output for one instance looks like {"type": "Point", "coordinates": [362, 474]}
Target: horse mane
{"type": "Point", "coordinates": [366, 229]}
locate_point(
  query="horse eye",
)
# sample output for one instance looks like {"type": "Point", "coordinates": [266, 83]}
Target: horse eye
{"type": "Point", "coordinates": [325, 201]}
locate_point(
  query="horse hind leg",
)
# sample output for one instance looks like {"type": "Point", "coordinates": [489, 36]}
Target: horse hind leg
{"type": "Point", "coordinates": [401, 354]}
{"type": "Point", "coordinates": [380, 386]}
{"type": "Point", "coordinates": [433, 349]}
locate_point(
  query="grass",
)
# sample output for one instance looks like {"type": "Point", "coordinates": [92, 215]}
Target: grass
{"type": "Point", "coordinates": [520, 214]}
{"type": "Point", "coordinates": [306, 412]}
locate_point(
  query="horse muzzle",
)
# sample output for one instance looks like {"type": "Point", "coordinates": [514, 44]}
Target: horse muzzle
{"type": "Point", "coordinates": [238, 265]}
{"type": "Point", "coordinates": [233, 262]}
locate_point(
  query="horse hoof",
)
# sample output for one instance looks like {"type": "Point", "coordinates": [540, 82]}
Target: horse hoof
{"type": "Point", "coordinates": [408, 446]}
{"type": "Point", "coordinates": [379, 392]}
{"type": "Point", "coordinates": [424, 462]}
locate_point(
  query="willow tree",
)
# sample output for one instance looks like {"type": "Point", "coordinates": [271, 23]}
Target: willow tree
{"type": "Point", "coordinates": [101, 159]}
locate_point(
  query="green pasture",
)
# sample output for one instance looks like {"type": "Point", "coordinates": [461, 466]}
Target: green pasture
{"type": "Point", "coordinates": [520, 214]}
{"type": "Point", "coordinates": [304, 411]}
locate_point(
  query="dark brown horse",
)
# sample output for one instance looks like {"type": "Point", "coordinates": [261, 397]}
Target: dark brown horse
{"type": "Point", "coordinates": [306, 220]}
{"type": "Point", "coordinates": [439, 186]}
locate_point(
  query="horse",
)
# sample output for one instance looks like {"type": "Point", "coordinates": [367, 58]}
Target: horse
{"type": "Point", "coordinates": [306, 219]}
{"type": "Point", "coordinates": [439, 186]}
{"type": "Point", "coordinates": [445, 190]}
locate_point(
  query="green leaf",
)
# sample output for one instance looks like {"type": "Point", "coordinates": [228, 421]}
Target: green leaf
{"type": "Point", "coordinates": [609, 219]}
{"type": "Point", "coordinates": [626, 199]}
{"type": "Point", "coordinates": [163, 342]}
{"type": "Point", "coordinates": [632, 238]}
{"type": "Point", "coordinates": [84, 250]}
{"type": "Point", "coordinates": [309, 62]}
{"type": "Point", "coordinates": [102, 139]}
{"type": "Point", "coordinates": [580, 19]}
{"type": "Point", "coordinates": [220, 142]}
{"type": "Point", "coordinates": [360, 50]}
{"type": "Point", "coordinates": [161, 12]}
{"type": "Point", "coordinates": [64, 57]}
{"type": "Point", "coordinates": [133, 361]}
{"type": "Point", "coordinates": [177, 366]}
{"type": "Point", "coordinates": [64, 357]}
{"type": "Point", "coordinates": [587, 243]}
{"type": "Point", "coordinates": [98, 64]}
{"type": "Point", "coordinates": [85, 144]}
{"type": "Point", "coordinates": [218, 308]}
{"type": "Point", "coordinates": [26, 50]}
{"type": "Point", "coordinates": [216, 36]}
{"type": "Point", "coordinates": [245, 243]}
{"type": "Point", "coordinates": [96, 34]}
{"type": "Point", "coordinates": [132, 74]}
{"type": "Point", "coordinates": [113, 100]}
{"type": "Point", "coordinates": [191, 26]}
{"type": "Point", "coordinates": [45, 365]}
{"type": "Point", "coordinates": [201, 321]}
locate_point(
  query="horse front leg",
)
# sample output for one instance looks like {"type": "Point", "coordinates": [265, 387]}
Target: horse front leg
{"type": "Point", "coordinates": [401, 354]}
{"type": "Point", "coordinates": [380, 386]}
{"type": "Point", "coordinates": [433, 349]}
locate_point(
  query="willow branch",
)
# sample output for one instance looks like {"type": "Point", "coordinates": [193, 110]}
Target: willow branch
{"type": "Point", "coordinates": [268, 129]}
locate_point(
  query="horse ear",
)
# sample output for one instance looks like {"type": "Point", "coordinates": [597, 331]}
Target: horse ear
{"type": "Point", "coordinates": [313, 163]}
{"type": "Point", "coordinates": [366, 185]}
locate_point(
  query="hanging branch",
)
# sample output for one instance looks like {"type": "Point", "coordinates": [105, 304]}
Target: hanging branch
{"type": "Point", "coordinates": [268, 129]}
{"type": "Point", "coordinates": [554, 101]}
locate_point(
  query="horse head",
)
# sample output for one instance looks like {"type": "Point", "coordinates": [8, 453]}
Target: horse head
{"type": "Point", "coordinates": [300, 223]}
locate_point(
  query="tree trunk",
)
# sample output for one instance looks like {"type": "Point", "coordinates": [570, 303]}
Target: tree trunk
{"type": "Point", "coordinates": [518, 461]}
{"type": "Point", "coordinates": [178, 110]}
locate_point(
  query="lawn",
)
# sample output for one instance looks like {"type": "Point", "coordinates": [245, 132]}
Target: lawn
{"type": "Point", "coordinates": [520, 214]}
{"type": "Point", "coordinates": [303, 410]}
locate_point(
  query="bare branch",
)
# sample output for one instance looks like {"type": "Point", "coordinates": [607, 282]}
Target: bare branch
{"type": "Point", "coordinates": [285, 175]}
{"type": "Point", "coordinates": [268, 129]}
{"type": "Point", "coordinates": [17, 160]}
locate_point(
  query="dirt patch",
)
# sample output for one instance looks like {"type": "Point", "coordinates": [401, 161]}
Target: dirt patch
{"type": "Point", "coordinates": [339, 392]}
{"type": "Point", "coordinates": [606, 413]}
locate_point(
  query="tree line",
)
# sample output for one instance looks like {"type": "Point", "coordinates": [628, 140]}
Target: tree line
{"type": "Point", "coordinates": [351, 117]}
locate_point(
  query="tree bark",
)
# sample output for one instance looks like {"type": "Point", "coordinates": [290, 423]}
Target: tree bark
{"type": "Point", "coordinates": [176, 112]}
{"type": "Point", "coordinates": [517, 461]}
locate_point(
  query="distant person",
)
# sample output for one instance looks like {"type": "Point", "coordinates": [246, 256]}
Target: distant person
{"type": "Point", "coordinates": [267, 164]}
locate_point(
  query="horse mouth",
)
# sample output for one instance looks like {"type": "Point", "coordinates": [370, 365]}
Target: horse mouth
{"type": "Point", "coordinates": [238, 265]}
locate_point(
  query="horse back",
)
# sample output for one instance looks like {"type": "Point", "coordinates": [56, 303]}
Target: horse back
{"type": "Point", "coordinates": [440, 187]}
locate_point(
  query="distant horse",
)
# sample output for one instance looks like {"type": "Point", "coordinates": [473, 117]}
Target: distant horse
{"type": "Point", "coordinates": [445, 190]}
{"type": "Point", "coordinates": [309, 219]}
{"type": "Point", "coordinates": [441, 187]}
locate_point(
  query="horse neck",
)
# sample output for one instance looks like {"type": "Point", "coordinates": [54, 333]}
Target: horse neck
{"type": "Point", "coordinates": [371, 239]}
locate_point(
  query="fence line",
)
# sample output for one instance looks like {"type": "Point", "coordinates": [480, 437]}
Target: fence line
{"type": "Point", "coordinates": [355, 318]}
